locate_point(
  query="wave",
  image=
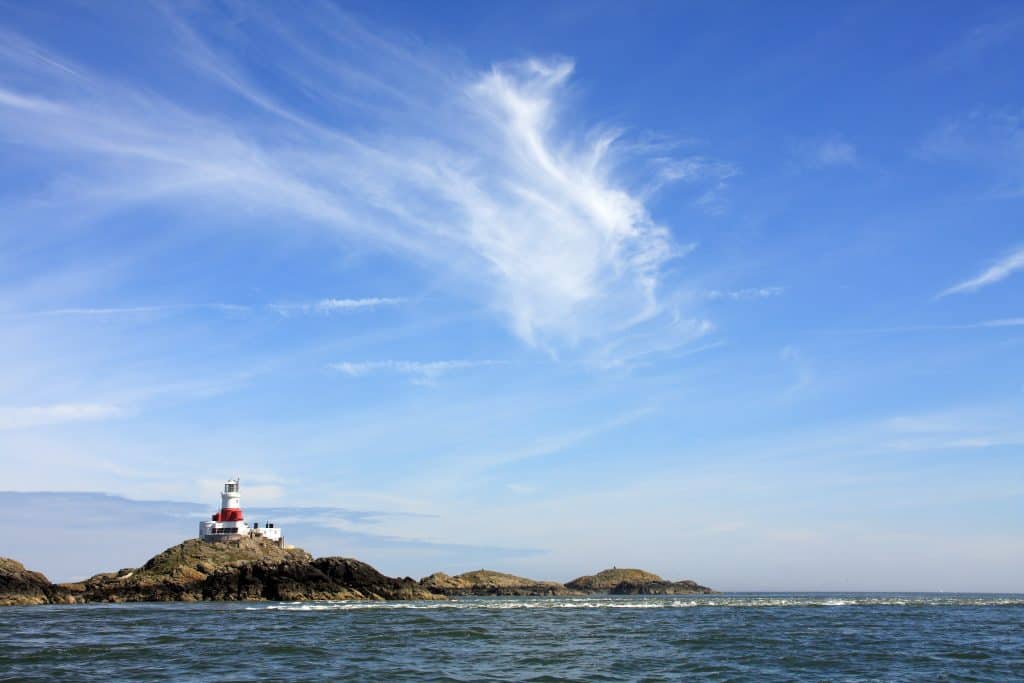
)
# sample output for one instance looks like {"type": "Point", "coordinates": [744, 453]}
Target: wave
{"type": "Point", "coordinates": [709, 602]}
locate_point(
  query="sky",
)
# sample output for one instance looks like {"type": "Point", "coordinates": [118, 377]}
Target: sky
{"type": "Point", "coordinates": [726, 291]}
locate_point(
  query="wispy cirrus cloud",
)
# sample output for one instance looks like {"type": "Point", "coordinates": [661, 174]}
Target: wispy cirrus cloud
{"type": "Point", "coordinates": [978, 40]}
{"type": "Point", "coordinates": [821, 152]}
{"type": "Point", "coordinates": [324, 306]}
{"type": "Point", "coordinates": [713, 174]}
{"type": "Point", "coordinates": [136, 310]}
{"type": "Point", "coordinates": [420, 371]}
{"type": "Point", "coordinates": [552, 444]}
{"type": "Point", "coordinates": [487, 178]}
{"type": "Point", "coordinates": [1000, 270]}
{"type": "Point", "coordinates": [747, 294]}
{"type": "Point", "coordinates": [646, 342]}
{"type": "Point", "coordinates": [1004, 322]}
{"type": "Point", "coordinates": [833, 151]}
{"type": "Point", "coordinates": [24, 417]}
{"type": "Point", "coordinates": [985, 138]}
{"type": "Point", "coordinates": [900, 329]}
{"type": "Point", "coordinates": [965, 428]}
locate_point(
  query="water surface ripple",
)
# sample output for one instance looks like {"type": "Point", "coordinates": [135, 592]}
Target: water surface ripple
{"type": "Point", "coordinates": [731, 637]}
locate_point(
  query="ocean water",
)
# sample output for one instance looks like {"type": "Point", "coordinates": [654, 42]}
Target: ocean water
{"type": "Point", "coordinates": [730, 637]}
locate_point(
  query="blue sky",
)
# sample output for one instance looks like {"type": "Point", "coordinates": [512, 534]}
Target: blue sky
{"type": "Point", "coordinates": [730, 293]}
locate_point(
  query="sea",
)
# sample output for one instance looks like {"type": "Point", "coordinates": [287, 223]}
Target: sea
{"type": "Point", "coordinates": [725, 637]}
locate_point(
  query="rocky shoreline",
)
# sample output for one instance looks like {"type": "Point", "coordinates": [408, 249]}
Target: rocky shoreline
{"type": "Point", "coordinates": [255, 569]}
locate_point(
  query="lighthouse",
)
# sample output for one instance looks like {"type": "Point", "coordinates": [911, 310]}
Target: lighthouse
{"type": "Point", "coordinates": [229, 523]}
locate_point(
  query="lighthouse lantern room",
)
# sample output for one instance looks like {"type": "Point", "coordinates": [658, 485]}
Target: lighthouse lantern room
{"type": "Point", "coordinates": [229, 524]}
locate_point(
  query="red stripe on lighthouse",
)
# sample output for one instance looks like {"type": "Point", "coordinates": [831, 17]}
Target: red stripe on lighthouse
{"type": "Point", "coordinates": [229, 515]}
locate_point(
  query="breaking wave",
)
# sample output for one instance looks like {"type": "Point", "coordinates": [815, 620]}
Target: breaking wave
{"type": "Point", "coordinates": [661, 602]}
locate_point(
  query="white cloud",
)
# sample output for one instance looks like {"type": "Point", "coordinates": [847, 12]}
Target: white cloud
{"type": "Point", "coordinates": [553, 444]}
{"type": "Point", "coordinates": [976, 42]}
{"type": "Point", "coordinates": [572, 252]}
{"type": "Point", "coordinates": [798, 363]}
{"type": "Point", "coordinates": [346, 304]}
{"type": "Point", "coordinates": [713, 174]}
{"type": "Point", "coordinates": [1000, 322]}
{"type": "Point", "coordinates": [335, 305]}
{"type": "Point", "coordinates": [974, 428]}
{"type": "Point", "coordinates": [420, 371]}
{"type": "Point", "coordinates": [23, 417]}
{"type": "Point", "coordinates": [994, 273]}
{"type": "Point", "coordinates": [323, 306]}
{"type": "Point", "coordinates": [832, 151]}
{"type": "Point", "coordinates": [988, 139]}
{"type": "Point", "coordinates": [744, 294]}
{"type": "Point", "coordinates": [485, 177]}
{"type": "Point", "coordinates": [136, 310]}
{"type": "Point", "coordinates": [1004, 322]}
{"type": "Point", "coordinates": [661, 337]}
{"type": "Point", "coordinates": [694, 168]}
{"type": "Point", "coordinates": [12, 99]}
{"type": "Point", "coordinates": [836, 153]}
{"type": "Point", "coordinates": [123, 310]}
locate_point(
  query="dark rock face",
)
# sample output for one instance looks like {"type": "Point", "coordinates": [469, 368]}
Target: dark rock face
{"type": "Point", "coordinates": [484, 582]}
{"type": "Point", "coordinates": [19, 586]}
{"type": "Point", "coordinates": [326, 578]}
{"type": "Point", "coordinates": [659, 588]}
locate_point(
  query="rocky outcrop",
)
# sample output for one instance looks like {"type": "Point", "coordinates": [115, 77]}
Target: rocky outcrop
{"type": "Point", "coordinates": [247, 569]}
{"type": "Point", "coordinates": [19, 586]}
{"type": "Point", "coordinates": [610, 581]}
{"type": "Point", "coordinates": [659, 588]}
{"type": "Point", "coordinates": [633, 582]}
{"type": "Point", "coordinates": [327, 578]}
{"type": "Point", "coordinates": [180, 572]}
{"type": "Point", "coordinates": [485, 582]}
{"type": "Point", "coordinates": [604, 581]}
{"type": "Point", "coordinates": [257, 569]}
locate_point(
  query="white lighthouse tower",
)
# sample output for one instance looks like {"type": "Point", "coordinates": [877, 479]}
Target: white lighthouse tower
{"type": "Point", "coordinates": [229, 524]}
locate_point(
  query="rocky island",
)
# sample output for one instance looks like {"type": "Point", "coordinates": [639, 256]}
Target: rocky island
{"type": "Point", "coordinates": [244, 569]}
{"type": "Point", "coordinates": [633, 582]}
{"type": "Point", "coordinates": [260, 569]}
{"type": "Point", "coordinates": [485, 582]}
{"type": "Point", "coordinates": [19, 586]}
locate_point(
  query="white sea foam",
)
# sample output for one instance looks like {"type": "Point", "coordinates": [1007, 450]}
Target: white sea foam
{"type": "Point", "coordinates": [659, 602]}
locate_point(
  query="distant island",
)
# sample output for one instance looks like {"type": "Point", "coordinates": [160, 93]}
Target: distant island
{"type": "Point", "coordinates": [261, 569]}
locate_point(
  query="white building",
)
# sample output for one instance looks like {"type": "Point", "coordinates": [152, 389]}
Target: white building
{"type": "Point", "coordinates": [229, 524]}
